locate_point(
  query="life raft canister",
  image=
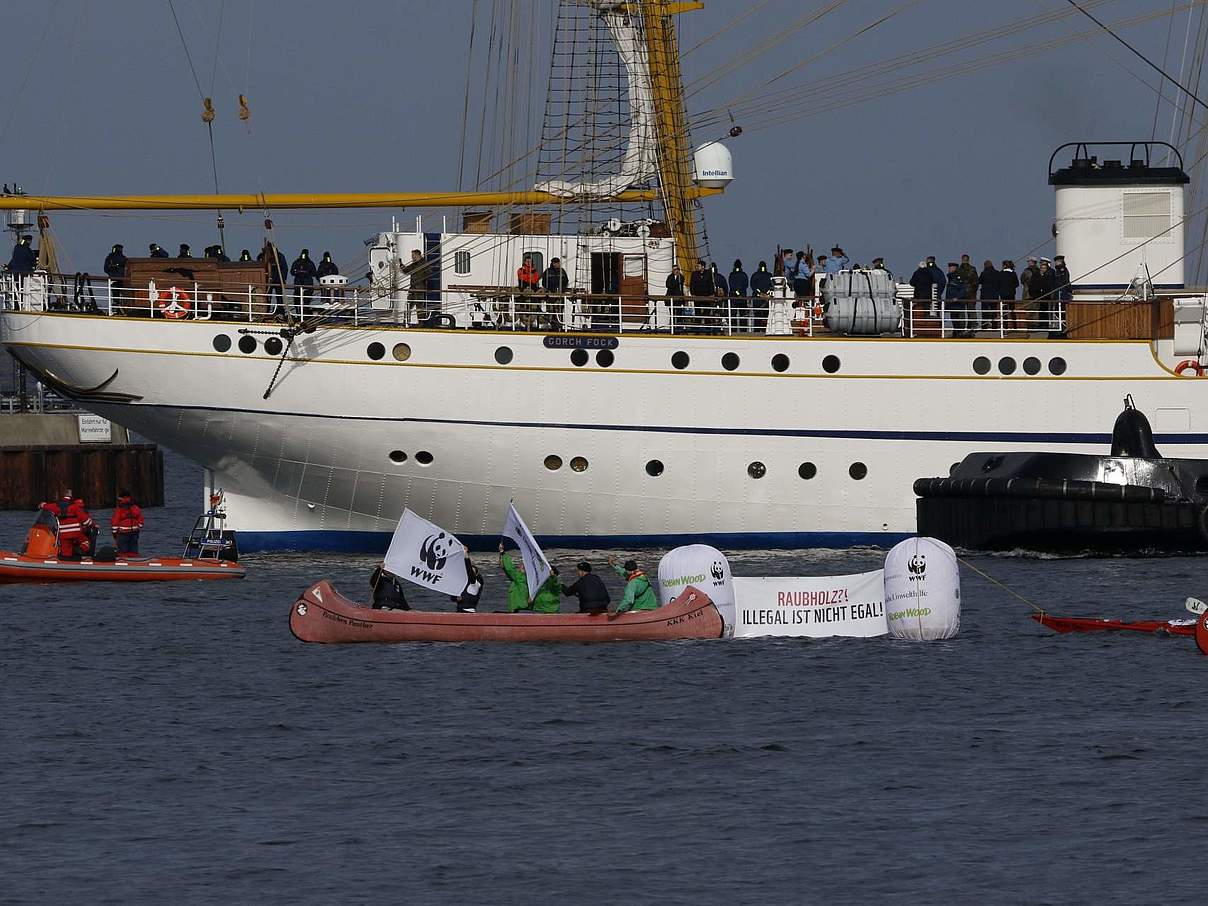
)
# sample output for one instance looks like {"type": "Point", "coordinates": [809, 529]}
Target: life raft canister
{"type": "Point", "coordinates": [174, 303]}
{"type": "Point", "coordinates": [1190, 365]}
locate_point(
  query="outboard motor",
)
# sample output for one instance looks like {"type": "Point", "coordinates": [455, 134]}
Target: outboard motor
{"type": "Point", "coordinates": [1132, 435]}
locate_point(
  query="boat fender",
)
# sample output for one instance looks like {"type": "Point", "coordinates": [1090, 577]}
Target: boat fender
{"type": "Point", "coordinates": [1201, 634]}
{"type": "Point", "coordinates": [1189, 365]}
{"type": "Point", "coordinates": [174, 303]}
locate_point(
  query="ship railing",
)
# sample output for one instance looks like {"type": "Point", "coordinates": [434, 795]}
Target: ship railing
{"type": "Point", "coordinates": [503, 308]}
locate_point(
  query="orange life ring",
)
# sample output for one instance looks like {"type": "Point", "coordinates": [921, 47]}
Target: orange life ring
{"type": "Point", "coordinates": [1190, 365]}
{"type": "Point", "coordinates": [174, 303]}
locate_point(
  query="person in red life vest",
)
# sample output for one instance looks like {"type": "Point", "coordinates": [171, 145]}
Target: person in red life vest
{"type": "Point", "coordinates": [75, 526]}
{"type": "Point", "coordinates": [126, 523]}
{"type": "Point", "coordinates": [528, 277]}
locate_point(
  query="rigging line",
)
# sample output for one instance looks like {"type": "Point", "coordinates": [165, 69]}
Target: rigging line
{"type": "Point", "coordinates": [465, 110]}
{"type": "Point", "coordinates": [217, 45]}
{"type": "Point", "coordinates": [904, 61]}
{"type": "Point", "coordinates": [858, 94]}
{"type": "Point", "coordinates": [35, 55]}
{"type": "Point", "coordinates": [1005, 588]}
{"type": "Point", "coordinates": [1157, 109]}
{"type": "Point", "coordinates": [1139, 55]}
{"type": "Point", "coordinates": [725, 28]}
{"type": "Point", "coordinates": [185, 45]}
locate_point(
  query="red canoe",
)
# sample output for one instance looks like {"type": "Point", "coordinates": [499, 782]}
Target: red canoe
{"type": "Point", "coordinates": [1090, 624]}
{"type": "Point", "coordinates": [322, 614]}
{"type": "Point", "coordinates": [16, 567]}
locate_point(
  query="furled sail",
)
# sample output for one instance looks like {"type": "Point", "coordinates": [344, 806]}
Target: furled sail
{"type": "Point", "coordinates": [639, 164]}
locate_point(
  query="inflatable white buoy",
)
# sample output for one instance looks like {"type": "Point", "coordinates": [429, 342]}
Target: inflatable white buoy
{"type": "Point", "coordinates": [703, 567]}
{"type": "Point", "coordinates": [922, 590]}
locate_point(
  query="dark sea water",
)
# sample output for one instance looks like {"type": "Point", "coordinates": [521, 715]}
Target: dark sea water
{"type": "Point", "coordinates": [175, 744]}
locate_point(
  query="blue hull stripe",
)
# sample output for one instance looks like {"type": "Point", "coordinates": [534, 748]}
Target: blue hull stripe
{"type": "Point", "coordinates": [1044, 437]}
{"type": "Point", "coordinates": [376, 542]}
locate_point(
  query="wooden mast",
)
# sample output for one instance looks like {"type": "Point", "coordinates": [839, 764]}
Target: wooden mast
{"type": "Point", "coordinates": [674, 154]}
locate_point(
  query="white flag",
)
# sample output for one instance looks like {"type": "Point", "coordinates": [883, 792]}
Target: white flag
{"type": "Point", "coordinates": [536, 567]}
{"type": "Point", "coordinates": [427, 555]}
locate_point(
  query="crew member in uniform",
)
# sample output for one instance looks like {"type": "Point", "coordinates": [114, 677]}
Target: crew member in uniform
{"type": "Point", "coordinates": [24, 259]}
{"type": "Point", "coordinates": [115, 263]}
{"type": "Point", "coordinates": [156, 251]}
{"type": "Point", "coordinates": [75, 526]}
{"type": "Point", "coordinates": [303, 271]}
{"type": "Point", "coordinates": [126, 524]}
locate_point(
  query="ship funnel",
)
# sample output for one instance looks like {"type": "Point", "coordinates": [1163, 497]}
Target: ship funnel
{"type": "Point", "coordinates": [714, 166]}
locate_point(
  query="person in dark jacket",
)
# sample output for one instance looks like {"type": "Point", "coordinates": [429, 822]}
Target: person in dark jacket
{"type": "Point", "coordinates": [968, 279]}
{"type": "Point", "coordinates": [675, 281]}
{"type": "Point", "coordinates": [184, 251]}
{"type": "Point", "coordinates": [467, 601]}
{"type": "Point", "coordinates": [155, 251]}
{"type": "Point", "coordinates": [938, 279]}
{"type": "Point", "coordinates": [276, 271]}
{"type": "Point", "coordinates": [761, 291]}
{"type": "Point", "coordinates": [1064, 291]}
{"type": "Point", "coordinates": [700, 287]}
{"type": "Point", "coordinates": [589, 589]}
{"type": "Point", "coordinates": [327, 267]}
{"type": "Point", "coordinates": [115, 263]}
{"type": "Point", "coordinates": [1008, 285]}
{"type": "Point", "coordinates": [720, 290]}
{"type": "Point", "coordinates": [1045, 286]}
{"type": "Point", "coordinates": [555, 280]}
{"type": "Point", "coordinates": [245, 255]}
{"type": "Point", "coordinates": [923, 282]}
{"type": "Point", "coordinates": [955, 305]}
{"type": "Point", "coordinates": [987, 287]}
{"type": "Point", "coordinates": [387, 591]}
{"type": "Point", "coordinates": [24, 258]}
{"type": "Point", "coordinates": [303, 271]}
{"type": "Point", "coordinates": [739, 284]}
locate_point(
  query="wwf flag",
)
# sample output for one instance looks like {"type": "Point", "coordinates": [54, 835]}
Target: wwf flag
{"type": "Point", "coordinates": [427, 555]}
{"type": "Point", "coordinates": [536, 567]}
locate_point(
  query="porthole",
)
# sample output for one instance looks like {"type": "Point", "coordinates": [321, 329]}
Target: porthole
{"type": "Point", "coordinates": [729, 361]}
{"type": "Point", "coordinates": [605, 357]}
{"type": "Point", "coordinates": [424, 458]}
{"type": "Point", "coordinates": [680, 360]}
{"type": "Point", "coordinates": [375, 351]}
{"type": "Point", "coordinates": [553, 462]}
{"type": "Point", "coordinates": [831, 364]}
{"type": "Point", "coordinates": [981, 365]}
{"type": "Point", "coordinates": [578, 464]}
{"type": "Point", "coordinates": [807, 470]}
{"type": "Point", "coordinates": [247, 344]}
{"type": "Point", "coordinates": [1006, 365]}
{"type": "Point", "coordinates": [1057, 365]}
{"type": "Point", "coordinates": [857, 471]}
{"type": "Point", "coordinates": [757, 470]}
{"type": "Point", "coordinates": [503, 355]}
{"type": "Point", "coordinates": [401, 352]}
{"type": "Point", "coordinates": [780, 362]}
{"type": "Point", "coordinates": [398, 456]}
{"type": "Point", "coordinates": [273, 346]}
{"type": "Point", "coordinates": [578, 358]}
{"type": "Point", "coordinates": [1031, 365]}
{"type": "Point", "coordinates": [654, 468]}
{"type": "Point", "coordinates": [222, 343]}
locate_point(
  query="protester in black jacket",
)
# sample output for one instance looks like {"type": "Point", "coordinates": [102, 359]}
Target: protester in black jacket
{"type": "Point", "coordinates": [589, 589]}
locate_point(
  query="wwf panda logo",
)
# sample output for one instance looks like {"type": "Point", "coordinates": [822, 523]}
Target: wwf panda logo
{"type": "Point", "coordinates": [718, 572]}
{"type": "Point", "coordinates": [436, 550]}
{"type": "Point", "coordinates": [917, 566]}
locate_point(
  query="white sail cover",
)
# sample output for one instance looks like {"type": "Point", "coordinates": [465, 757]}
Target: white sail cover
{"type": "Point", "coordinates": [705, 568]}
{"type": "Point", "coordinates": [639, 164]}
{"type": "Point", "coordinates": [922, 590]}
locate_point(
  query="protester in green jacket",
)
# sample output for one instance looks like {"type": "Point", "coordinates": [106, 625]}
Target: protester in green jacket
{"type": "Point", "coordinates": [549, 597]}
{"type": "Point", "coordinates": [638, 593]}
{"type": "Point", "coordinates": [518, 598]}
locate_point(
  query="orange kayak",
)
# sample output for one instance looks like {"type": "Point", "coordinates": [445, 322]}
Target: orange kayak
{"type": "Point", "coordinates": [322, 614]}
{"type": "Point", "coordinates": [1095, 624]}
{"type": "Point", "coordinates": [16, 567]}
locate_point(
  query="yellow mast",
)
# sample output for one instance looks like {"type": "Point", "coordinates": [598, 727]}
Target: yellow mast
{"type": "Point", "coordinates": [674, 156]}
{"type": "Point", "coordinates": [279, 201]}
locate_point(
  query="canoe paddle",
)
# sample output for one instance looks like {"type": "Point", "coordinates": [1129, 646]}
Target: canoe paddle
{"type": "Point", "coordinates": [1196, 606]}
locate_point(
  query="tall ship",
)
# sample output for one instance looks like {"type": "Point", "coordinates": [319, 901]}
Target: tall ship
{"type": "Point", "coordinates": [464, 369]}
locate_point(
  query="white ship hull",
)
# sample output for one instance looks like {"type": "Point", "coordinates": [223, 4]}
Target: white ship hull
{"type": "Point", "coordinates": [311, 467]}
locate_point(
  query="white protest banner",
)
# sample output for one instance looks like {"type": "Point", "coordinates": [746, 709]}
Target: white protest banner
{"type": "Point", "coordinates": [705, 568]}
{"type": "Point", "coordinates": [427, 555]}
{"type": "Point", "coordinates": [536, 567]}
{"type": "Point", "coordinates": [811, 607]}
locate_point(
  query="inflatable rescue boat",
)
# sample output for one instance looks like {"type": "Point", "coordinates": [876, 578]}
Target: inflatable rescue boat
{"type": "Point", "coordinates": [322, 614]}
{"type": "Point", "coordinates": [40, 562]}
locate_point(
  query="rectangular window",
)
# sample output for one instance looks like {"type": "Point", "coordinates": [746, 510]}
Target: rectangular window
{"type": "Point", "coordinates": [461, 263]}
{"type": "Point", "coordinates": [1146, 214]}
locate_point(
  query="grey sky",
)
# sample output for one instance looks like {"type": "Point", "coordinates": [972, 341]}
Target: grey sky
{"type": "Point", "coordinates": [367, 95]}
